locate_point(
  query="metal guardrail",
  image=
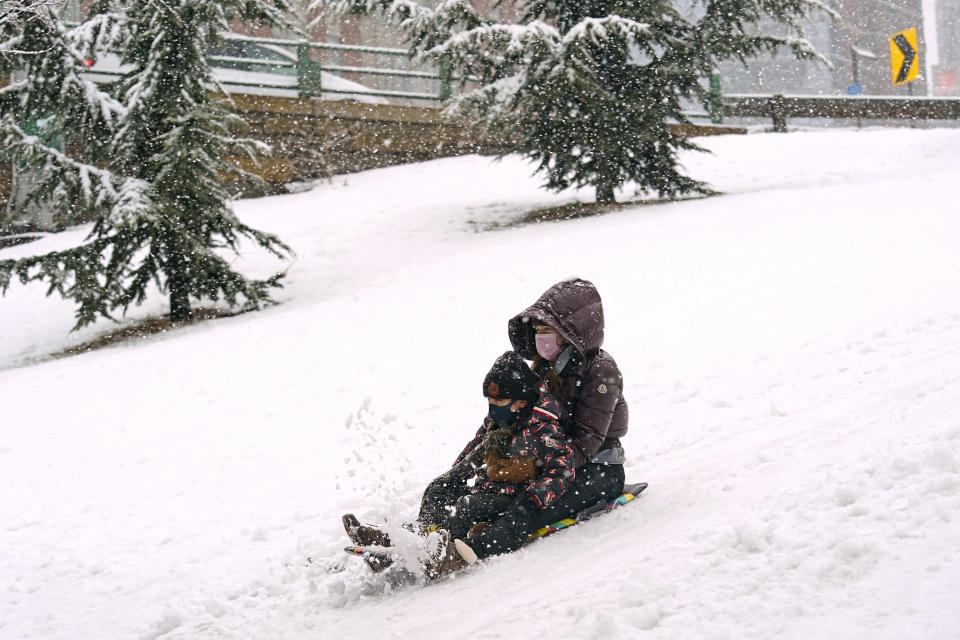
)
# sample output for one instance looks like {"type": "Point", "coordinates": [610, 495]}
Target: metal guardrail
{"type": "Point", "coordinates": [779, 107]}
{"type": "Point", "coordinates": [308, 71]}
{"type": "Point", "coordinates": [303, 74]}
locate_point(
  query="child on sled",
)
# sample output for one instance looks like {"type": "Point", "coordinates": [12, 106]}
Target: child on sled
{"type": "Point", "coordinates": [519, 453]}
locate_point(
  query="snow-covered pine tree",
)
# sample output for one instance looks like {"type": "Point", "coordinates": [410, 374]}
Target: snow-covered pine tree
{"type": "Point", "coordinates": [586, 88]}
{"type": "Point", "coordinates": [161, 207]}
{"type": "Point", "coordinates": [177, 136]}
{"type": "Point", "coordinates": [47, 98]}
{"type": "Point", "coordinates": [43, 62]}
{"type": "Point", "coordinates": [14, 14]}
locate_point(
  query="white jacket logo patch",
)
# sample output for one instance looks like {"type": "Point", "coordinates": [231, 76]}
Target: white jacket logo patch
{"type": "Point", "coordinates": [551, 442]}
{"type": "Point", "coordinates": [602, 388]}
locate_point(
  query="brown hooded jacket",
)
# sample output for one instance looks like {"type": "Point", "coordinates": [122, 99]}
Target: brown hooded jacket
{"type": "Point", "coordinates": [591, 394]}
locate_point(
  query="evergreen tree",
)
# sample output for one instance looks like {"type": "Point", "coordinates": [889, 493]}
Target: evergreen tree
{"type": "Point", "coordinates": [586, 88]}
{"type": "Point", "coordinates": [153, 161]}
{"type": "Point", "coordinates": [176, 136]}
{"type": "Point", "coordinates": [47, 86]}
{"type": "Point", "coordinates": [49, 97]}
{"type": "Point", "coordinates": [13, 15]}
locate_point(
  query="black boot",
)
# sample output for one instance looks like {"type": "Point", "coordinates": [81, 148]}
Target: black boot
{"type": "Point", "coordinates": [451, 556]}
{"type": "Point", "coordinates": [364, 535]}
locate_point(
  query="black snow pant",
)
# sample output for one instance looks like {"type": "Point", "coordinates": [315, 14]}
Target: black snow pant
{"type": "Point", "coordinates": [450, 505]}
{"type": "Point", "coordinates": [592, 483]}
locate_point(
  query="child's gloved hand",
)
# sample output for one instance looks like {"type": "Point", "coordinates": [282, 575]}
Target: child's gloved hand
{"type": "Point", "coordinates": [497, 441]}
{"type": "Point", "coordinates": [512, 470]}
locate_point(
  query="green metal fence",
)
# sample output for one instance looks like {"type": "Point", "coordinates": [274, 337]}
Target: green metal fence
{"type": "Point", "coordinates": [307, 59]}
{"type": "Point", "coordinates": [301, 66]}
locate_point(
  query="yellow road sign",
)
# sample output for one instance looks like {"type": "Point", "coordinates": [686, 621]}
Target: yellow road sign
{"type": "Point", "coordinates": [904, 56]}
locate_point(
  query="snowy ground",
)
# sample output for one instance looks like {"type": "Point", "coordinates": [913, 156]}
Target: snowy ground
{"type": "Point", "coordinates": [791, 352]}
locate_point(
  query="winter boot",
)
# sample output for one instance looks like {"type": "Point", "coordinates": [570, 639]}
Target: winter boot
{"type": "Point", "coordinates": [364, 535]}
{"type": "Point", "coordinates": [448, 558]}
{"type": "Point", "coordinates": [476, 529]}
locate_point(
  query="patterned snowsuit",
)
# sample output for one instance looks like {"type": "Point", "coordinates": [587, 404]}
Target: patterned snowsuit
{"type": "Point", "coordinates": [455, 506]}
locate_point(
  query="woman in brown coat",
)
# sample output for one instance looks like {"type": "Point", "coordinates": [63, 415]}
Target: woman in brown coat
{"type": "Point", "coordinates": [561, 333]}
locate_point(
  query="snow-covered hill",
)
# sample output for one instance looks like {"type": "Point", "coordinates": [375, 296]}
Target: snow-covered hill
{"type": "Point", "coordinates": [791, 354]}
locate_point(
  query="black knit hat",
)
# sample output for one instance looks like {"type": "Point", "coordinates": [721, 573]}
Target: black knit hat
{"type": "Point", "coordinates": [510, 377]}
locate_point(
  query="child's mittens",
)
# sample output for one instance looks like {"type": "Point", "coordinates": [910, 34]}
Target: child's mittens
{"type": "Point", "coordinates": [510, 470]}
{"type": "Point", "coordinates": [497, 441]}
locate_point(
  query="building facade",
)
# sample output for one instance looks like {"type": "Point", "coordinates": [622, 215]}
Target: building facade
{"type": "Point", "coordinates": [946, 73]}
{"type": "Point", "coordinates": [856, 46]}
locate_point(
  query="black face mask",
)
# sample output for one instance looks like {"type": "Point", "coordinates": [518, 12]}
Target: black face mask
{"type": "Point", "coordinates": [502, 416]}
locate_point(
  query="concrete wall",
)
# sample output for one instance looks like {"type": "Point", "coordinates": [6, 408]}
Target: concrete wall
{"type": "Point", "coordinates": [316, 138]}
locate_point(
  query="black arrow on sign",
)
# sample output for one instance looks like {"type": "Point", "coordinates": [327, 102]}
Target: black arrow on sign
{"type": "Point", "coordinates": [909, 53]}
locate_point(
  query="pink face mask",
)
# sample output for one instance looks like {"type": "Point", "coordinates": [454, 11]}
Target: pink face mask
{"type": "Point", "coordinates": [547, 345]}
